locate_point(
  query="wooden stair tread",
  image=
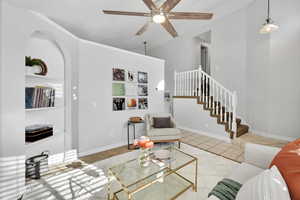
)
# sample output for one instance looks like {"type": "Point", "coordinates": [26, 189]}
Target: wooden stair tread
{"type": "Point", "coordinates": [242, 129]}
{"type": "Point", "coordinates": [217, 111]}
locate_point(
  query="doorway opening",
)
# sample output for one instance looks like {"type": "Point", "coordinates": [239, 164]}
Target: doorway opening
{"type": "Point", "coordinates": [205, 41]}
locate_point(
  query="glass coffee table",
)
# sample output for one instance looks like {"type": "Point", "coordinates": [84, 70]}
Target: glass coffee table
{"type": "Point", "coordinates": [160, 180]}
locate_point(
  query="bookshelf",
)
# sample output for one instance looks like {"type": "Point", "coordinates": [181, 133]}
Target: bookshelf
{"type": "Point", "coordinates": [39, 109]}
{"type": "Point", "coordinates": [54, 115]}
{"type": "Point", "coordinates": [41, 47]}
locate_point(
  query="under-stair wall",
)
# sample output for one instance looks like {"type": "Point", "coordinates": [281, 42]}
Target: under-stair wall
{"type": "Point", "coordinates": [191, 116]}
{"type": "Point", "coordinates": [217, 101]}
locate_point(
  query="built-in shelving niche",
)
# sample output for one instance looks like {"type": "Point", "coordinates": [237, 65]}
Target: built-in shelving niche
{"type": "Point", "coordinates": [41, 47]}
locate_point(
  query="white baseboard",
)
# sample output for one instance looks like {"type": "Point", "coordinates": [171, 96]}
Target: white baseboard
{"type": "Point", "coordinates": [100, 149]}
{"type": "Point", "coordinates": [265, 134]}
{"type": "Point", "coordinates": [224, 138]}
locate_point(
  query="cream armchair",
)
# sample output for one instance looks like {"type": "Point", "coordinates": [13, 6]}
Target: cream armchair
{"type": "Point", "coordinates": [172, 134]}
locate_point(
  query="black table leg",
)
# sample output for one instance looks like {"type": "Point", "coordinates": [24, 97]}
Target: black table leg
{"type": "Point", "coordinates": [133, 131]}
{"type": "Point", "coordinates": [128, 136]}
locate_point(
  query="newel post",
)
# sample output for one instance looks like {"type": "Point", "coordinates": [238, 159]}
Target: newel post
{"type": "Point", "coordinates": [234, 124]}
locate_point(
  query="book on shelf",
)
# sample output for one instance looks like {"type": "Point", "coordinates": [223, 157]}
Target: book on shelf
{"type": "Point", "coordinates": [39, 97]}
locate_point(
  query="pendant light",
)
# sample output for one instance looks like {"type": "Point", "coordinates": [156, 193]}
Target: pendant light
{"type": "Point", "coordinates": [269, 26]}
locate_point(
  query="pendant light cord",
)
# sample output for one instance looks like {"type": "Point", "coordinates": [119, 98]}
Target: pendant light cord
{"type": "Point", "coordinates": [268, 10]}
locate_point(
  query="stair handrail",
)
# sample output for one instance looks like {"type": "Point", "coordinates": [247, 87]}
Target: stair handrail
{"type": "Point", "coordinates": [209, 91]}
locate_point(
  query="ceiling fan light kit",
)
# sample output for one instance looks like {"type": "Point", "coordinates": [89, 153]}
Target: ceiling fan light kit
{"type": "Point", "coordinates": [269, 26]}
{"type": "Point", "coordinates": [162, 15]}
{"type": "Point", "coordinates": [159, 18]}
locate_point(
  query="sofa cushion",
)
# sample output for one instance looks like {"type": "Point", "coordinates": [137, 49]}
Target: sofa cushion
{"type": "Point", "coordinates": [268, 185]}
{"type": "Point", "coordinates": [244, 172]}
{"type": "Point", "coordinates": [161, 122]}
{"type": "Point", "coordinates": [163, 131]}
{"type": "Point", "coordinates": [288, 163]}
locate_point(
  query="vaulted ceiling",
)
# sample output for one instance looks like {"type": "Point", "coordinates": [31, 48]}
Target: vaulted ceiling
{"type": "Point", "coordinates": [85, 19]}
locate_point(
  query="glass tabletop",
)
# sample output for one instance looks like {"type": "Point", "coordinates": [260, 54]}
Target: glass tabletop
{"type": "Point", "coordinates": [171, 187]}
{"type": "Point", "coordinates": [131, 173]}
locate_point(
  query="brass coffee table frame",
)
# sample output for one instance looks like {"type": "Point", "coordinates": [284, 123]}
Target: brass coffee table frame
{"type": "Point", "coordinates": [165, 172]}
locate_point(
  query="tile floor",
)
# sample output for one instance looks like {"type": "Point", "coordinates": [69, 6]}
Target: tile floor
{"type": "Point", "coordinates": [233, 151]}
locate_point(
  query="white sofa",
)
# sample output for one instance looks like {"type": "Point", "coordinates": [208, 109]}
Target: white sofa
{"type": "Point", "coordinates": [257, 159]}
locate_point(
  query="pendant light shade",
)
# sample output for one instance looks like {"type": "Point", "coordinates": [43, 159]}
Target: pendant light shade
{"type": "Point", "coordinates": [269, 26]}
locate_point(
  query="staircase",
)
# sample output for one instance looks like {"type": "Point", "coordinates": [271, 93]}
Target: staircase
{"type": "Point", "coordinates": [215, 98]}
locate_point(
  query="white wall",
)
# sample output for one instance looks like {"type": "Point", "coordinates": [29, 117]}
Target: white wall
{"type": "Point", "coordinates": [262, 69]}
{"type": "Point", "coordinates": [17, 26]}
{"type": "Point", "coordinates": [272, 71]}
{"type": "Point", "coordinates": [99, 126]}
{"type": "Point", "coordinates": [191, 116]}
{"type": "Point", "coordinates": [180, 54]}
{"type": "Point", "coordinates": [228, 54]}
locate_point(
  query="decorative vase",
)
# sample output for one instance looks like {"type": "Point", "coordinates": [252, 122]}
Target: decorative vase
{"type": "Point", "coordinates": [144, 158]}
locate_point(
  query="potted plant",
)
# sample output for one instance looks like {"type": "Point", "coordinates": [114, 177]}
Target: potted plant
{"type": "Point", "coordinates": [145, 145]}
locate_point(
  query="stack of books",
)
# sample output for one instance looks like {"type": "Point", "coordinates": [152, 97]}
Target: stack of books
{"type": "Point", "coordinates": [37, 132]}
{"type": "Point", "coordinates": [39, 97]}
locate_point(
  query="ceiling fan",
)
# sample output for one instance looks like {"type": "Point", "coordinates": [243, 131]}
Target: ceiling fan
{"type": "Point", "coordinates": [162, 15]}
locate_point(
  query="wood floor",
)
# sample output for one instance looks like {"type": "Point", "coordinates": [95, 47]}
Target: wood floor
{"type": "Point", "coordinates": [233, 151]}
{"type": "Point", "coordinates": [105, 154]}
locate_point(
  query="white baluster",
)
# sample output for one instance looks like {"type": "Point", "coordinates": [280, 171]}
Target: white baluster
{"type": "Point", "coordinates": [175, 86]}
{"type": "Point", "coordinates": [181, 84]}
{"type": "Point", "coordinates": [213, 95]}
{"type": "Point", "coordinates": [226, 99]}
{"type": "Point", "coordinates": [234, 103]}
{"type": "Point", "coordinates": [230, 111]}
{"type": "Point", "coordinates": [187, 84]}
{"type": "Point", "coordinates": [206, 88]}
{"type": "Point", "coordinates": [199, 82]}
{"type": "Point", "coordinates": [190, 84]}
{"type": "Point", "coordinates": [203, 86]}
{"type": "Point", "coordinates": [193, 81]}
{"type": "Point", "coordinates": [221, 104]}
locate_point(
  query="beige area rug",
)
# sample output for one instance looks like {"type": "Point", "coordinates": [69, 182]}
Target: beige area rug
{"type": "Point", "coordinates": [79, 184]}
{"type": "Point", "coordinates": [211, 169]}
{"type": "Point", "coordinates": [233, 151]}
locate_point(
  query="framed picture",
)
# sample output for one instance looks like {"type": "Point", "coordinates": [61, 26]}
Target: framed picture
{"type": "Point", "coordinates": [118, 104]}
{"type": "Point", "coordinates": [118, 74]}
{"type": "Point", "coordinates": [131, 89]}
{"type": "Point", "coordinates": [131, 76]}
{"type": "Point", "coordinates": [131, 103]}
{"type": "Point", "coordinates": [118, 89]}
{"type": "Point", "coordinates": [142, 90]}
{"type": "Point", "coordinates": [143, 103]}
{"type": "Point", "coordinates": [142, 77]}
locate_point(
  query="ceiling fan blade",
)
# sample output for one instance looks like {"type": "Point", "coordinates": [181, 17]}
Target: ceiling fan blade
{"type": "Point", "coordinates": [170, 28]}
{"type": "Point", "coordinates": [190, 15]}
{"type": "Point", "coordinates": [169, 5]}
{"type": "Point", "coordinates": [112, 12]}
{"type": "Point", "coordinates": [143, 29]}
{"type": "Point", "coordinates": [150, 4]}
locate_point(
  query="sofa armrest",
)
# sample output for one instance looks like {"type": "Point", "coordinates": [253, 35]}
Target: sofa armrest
{"type": "Point", "coordinates": [173, 123]}
{"type": "Point", "coordinates": [260, 155]}
{"type": "Point", "coordinates": [147, 123]}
